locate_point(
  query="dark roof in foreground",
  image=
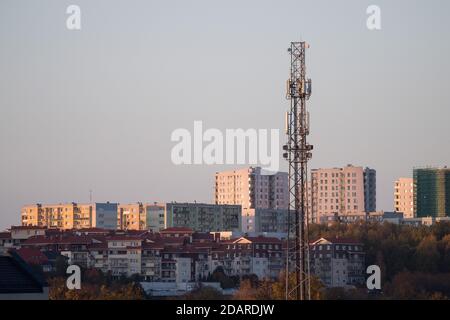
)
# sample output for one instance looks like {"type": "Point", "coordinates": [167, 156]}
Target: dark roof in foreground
{"type": "Point", "coordinates": [17, 277]}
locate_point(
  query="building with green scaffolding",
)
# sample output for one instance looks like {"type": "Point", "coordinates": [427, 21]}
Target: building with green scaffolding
{"type": "Point", "coordinates": [432, 192]}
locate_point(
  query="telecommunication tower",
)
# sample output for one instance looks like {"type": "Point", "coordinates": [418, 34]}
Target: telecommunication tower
{"type": "Point", "coordinates": [297, 151]}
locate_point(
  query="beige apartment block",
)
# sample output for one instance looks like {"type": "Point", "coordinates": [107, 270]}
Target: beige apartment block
{"type": "Point", "coordinates": [404, 197]}
{"type": "Point", "coordinates": [142, 216]}
{"type": "Point", "coordinates": [252, 188]}
{"type": "Point", "coordinates": [257, 192]}
{"type": "Point", "coordinates": [70, 215]}
{"type": "Point", "coordinates": [344, 191]}
{"type": "Point", "coordinates": [131, 216]}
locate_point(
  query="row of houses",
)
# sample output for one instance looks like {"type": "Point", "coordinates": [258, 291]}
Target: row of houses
{"type": "Point", "coordinates": [182, 255]}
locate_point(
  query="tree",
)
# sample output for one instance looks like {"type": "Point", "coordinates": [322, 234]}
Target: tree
{"type": "Point", "coordinates": [89, 291]}
{"type": "Point", "coordinates": [61, 266]}
{"type": "Point", "coordinates": [427, 255]}
{"type": "Point", "coordinates": [444, 249]}
{"type": "Point", "coordinates": [226, 282]}
{"type": "Point", "coordinates": [246, 291]}
{"type": "Point", "coordinates": [264, 290]}
{"type": "Point", "coordinates": [279, 287]}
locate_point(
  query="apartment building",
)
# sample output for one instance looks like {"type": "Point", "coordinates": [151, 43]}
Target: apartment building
{"type": "Point", "coordinates": [151, 261]}
{"type": "Point", "coordinates": [404, 197]}
{"type": "Point", "coordinates": [338, 262]}
{"type": "Point", "coordinates": [265, 220]}
{"type": "Point", "coordinates": [376, 216]}
{"type": "Point", "coordinates": [25, 232]}
{"type": "Point", "coordinates": [16, 235]}
{"type": "Point", "coordinates": [346, 191]}
{"type": "Point", "coordinates": [142, 216]}
{"type": "Point", "coordinates": [431, 192]}
{"type": "Point", "coordinates": [203, 217]}
{"type": "Point", "coordinates": [155, 217]}
{"type": "Point", "coordinates": [262, 256]}
{"type": "Point", "coordinates": [124, 255]}
{"type": "Point", "coordinates": [252, 188]}
{"type": "Point", "coordinates": [131, 216]}
{"type": "Point", "coordinates": [70, 215]}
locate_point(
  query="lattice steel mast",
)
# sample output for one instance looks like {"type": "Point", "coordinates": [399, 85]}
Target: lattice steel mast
{"type": "Point", "coordinates": [298, 152]}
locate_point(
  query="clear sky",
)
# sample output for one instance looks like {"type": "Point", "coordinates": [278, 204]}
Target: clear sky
{"type": "Point", "coordinates": [95, 108]}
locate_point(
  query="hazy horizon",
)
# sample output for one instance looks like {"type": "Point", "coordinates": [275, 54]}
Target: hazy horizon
{"type": "Point", "coordinates": [94, 109]}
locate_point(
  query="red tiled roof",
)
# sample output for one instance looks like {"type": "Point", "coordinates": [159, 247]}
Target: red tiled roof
{"type": "Point", "coordinates": [92, 230]}
{"type": "Point", "coordinates": [229, 241]}
{"type": "Point", "coordinates": [64, 239]}
{"type": "Point", "coordinates": [189, 249]}
{"type": "Point", "coordinates": [262, 239]}
{"type": "Point", "coordinates": [5, 235]}
{"type": "Point", "coordinates": [96, 246]}
{"type": "Point", "coordinates": [123, 238]}
{"type": "Point", "coordinates": [32, 256]}
{"type": "Point", "coordinates": [209, 244]}
{"type": "Point", "coordinates": [75, 240]}
{"type": "Point", "coordinates": [171, 240]}
{"type": "Point", "coordinates": [135, 232]}
{"type": "Point", "coordinates": [40, 240]}
{"type": "Point", "coordinates": [148, 245]}
{"type": "Point", "coordinates": [177, 229]}
{"type": "Point", "coordinates": [51, 232]}
{"type": "Point", "coordinates": [202, 236]}
{"type": "Point", "coordinates": [27, 228]}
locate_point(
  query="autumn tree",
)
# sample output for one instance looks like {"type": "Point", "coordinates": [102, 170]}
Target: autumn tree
{"type": "Point", "coordinates": [427, 255]}
{"type": "Point", "coordinates": [246, 291]}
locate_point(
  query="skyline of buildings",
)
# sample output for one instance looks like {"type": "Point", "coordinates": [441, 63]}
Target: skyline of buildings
{"type": "Point", "coordinates": [251, 200]}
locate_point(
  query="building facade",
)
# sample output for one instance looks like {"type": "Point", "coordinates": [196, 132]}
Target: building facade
{"type": "Point", "coordinates": [431, 192]}
{"type": "Point", "coordinates": [252, 188]}
{"type": "Point", "coordinates": [370, 190]}
{"type": "Point", "coordinates": [155, 217]}
{"type": "Point", "coordinates": [203, 217]}
{"type": "Point", "coordinates": [265, 220]}
{"type": "Point", "coordinates": [131, 216]}
{"type": "Point", "coordinates": [71, 215]}
{"type": "Point", "coordinates": [142, 216]}
{"type": "Point", "coordinates": [344, 191]}
{"type": "Point", "coordinates": [338, 262]}
{"type": "Point", "coordinates": [404, 197]}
